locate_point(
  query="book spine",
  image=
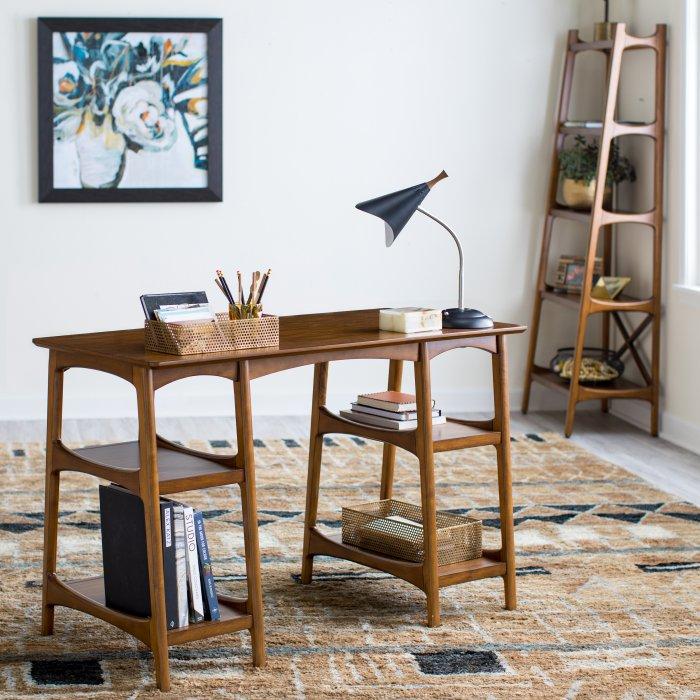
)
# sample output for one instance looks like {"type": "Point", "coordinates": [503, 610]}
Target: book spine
{"type": "Point", "coordinates": [180, 564]}
{"type": "Point", "coordinates": [193, 585]}
{"type": "Point", "coordinates": [169, 564]}
{"type": "Point", "coordinates": [211, 602]}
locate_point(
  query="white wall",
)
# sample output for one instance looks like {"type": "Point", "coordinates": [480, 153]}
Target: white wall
{"type": "Point", "coordinates": [325, 104]}
{"type": "Point", "coordinates": [680, 417]}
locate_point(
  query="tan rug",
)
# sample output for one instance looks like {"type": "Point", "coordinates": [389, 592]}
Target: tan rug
{"type": "Point", "coordinates": [608, 588]}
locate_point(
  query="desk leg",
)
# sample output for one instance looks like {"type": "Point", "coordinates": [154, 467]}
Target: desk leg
{"type": "Point", "coordinates": [314, 476]}
{"type": "Point", "coordinates": [424, 451]}
{"type": "Point", "coordinates": [505, 489]}
{"type": "Point", "coordinates": [246, 456]}
{"type": "Point", "coordinates": [53, 433]}
{"type": "Point", "coordinates": [389, 453]}
{"type": "Point", "coordinates": [149, 491]}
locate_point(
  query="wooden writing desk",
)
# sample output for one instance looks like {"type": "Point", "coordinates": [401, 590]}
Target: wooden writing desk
{"type": "Point", "coordinates": [154, 466]}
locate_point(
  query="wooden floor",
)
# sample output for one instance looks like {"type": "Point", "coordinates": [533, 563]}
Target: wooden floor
{"type": "Point", "coordinates": [666, 466]}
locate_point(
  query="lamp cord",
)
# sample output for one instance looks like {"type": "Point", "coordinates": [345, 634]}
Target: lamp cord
{"type": "Point", "coordinates": [459, 249]}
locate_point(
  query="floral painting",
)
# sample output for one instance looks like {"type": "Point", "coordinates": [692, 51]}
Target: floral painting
{"type": "Point", "coordinates": [130, 109]}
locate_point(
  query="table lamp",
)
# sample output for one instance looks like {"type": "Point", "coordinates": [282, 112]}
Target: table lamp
{"type": "Point", "coordinates": [395, 210]}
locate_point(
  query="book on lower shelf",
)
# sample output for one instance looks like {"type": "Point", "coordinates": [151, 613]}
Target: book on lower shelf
{"type": "Point", "coordinates": [393, 410]}
{"type": "Point", "coordinates": [190, 591]}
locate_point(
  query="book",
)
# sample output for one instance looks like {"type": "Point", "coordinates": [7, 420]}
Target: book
{"type": "Point", "coordinates": [194, 587]}
{"type": "Point", "coordinates": [389, 401]}
{"type": "Point", "coordinates": [180, 564]}
{"type": "Point", "coordinates": [169, 564]}
{"type": "Point", "coordinates": [410, 319]}
{"type": "Point", "coordinates": [151, 302]}
{"type": "Point", "coordinates": [211, 602]}
{"type": "Point", "coordinates": [380, 422]}
{"type": "Point", "coordinates": [394, 415]}
{"type": "Point", "coordinates": [124, 556]}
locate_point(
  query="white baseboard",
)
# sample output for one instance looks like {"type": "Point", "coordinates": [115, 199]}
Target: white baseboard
{"type": "Point", "coordinates": [264, 404]}
{"type": "Point", "coordinates": [673, 429]}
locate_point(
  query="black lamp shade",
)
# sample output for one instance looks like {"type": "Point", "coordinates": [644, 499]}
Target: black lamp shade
{"type": "Point", "coordinates": [396, 209]}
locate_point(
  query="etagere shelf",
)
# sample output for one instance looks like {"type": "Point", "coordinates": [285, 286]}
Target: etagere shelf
{"type": "Point", "coordinates": [600, 220]}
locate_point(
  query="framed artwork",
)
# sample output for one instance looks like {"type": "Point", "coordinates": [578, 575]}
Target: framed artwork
{"type": "Point", "coordinates": [129, 110]}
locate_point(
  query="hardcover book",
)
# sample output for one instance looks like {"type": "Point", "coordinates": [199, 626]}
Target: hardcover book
{"type": "Point", "coordinates": [211, 602]}
{"type": "Point", "coordinates": [180, 565]}
{"type": "Point", "coordinates": [124, 557]}
{"type": "Point", "coordinates": [389, 401]}
{"type": "Point", "coordinates": [393, 415]}
{"type": "Point", "coordinates": [194, 586]}
{"type": "Point", "coordinates": [380, 422]}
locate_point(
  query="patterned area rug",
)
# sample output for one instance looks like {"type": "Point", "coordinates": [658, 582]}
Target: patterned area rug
{"type": "Point", "coordinates": [608, 572]}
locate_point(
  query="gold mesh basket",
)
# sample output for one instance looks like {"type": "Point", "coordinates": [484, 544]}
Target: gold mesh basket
{"type": "Point", "coordinates": [223, 335]}
{"type": "Point", "coordinates": [395, 528]}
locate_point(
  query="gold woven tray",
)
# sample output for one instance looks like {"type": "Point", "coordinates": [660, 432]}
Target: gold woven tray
{"type": "Point", "coordinates": [223, 335]}
{"type": "Point", "coordinates": [369, 525]}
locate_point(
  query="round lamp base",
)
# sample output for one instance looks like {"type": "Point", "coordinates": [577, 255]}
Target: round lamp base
{"type": "Point", "coordinates": [465, 318]}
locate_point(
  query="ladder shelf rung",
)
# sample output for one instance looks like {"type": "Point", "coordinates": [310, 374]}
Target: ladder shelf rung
{"type": "Point", "coordinates": [607, 217]}
{"type": "Point", "coordinates": [618, 388]}
{"type": "Point", "coordinates": [603, 45]}
{"type": "Point", "coordinates": [562, 212]}
{"type": "Point", "coordinates": [621, 303]}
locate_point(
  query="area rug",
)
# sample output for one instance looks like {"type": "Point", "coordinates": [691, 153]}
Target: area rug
{"type": "Point", "coordinates": [608, 574]}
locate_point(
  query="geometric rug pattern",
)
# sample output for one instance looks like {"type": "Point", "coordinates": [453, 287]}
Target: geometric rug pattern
{"type": "Point", "coordinates": [608, 574]}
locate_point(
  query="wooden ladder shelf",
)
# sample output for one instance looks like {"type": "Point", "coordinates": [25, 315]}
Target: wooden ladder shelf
{"type": "Point", "coordinates": [602, 220]}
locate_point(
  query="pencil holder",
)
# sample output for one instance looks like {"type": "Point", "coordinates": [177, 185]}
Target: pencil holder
{"type": "Point", "coordinates": [222, 335]}
{"type": "Point", "coordinates": [239, 312]}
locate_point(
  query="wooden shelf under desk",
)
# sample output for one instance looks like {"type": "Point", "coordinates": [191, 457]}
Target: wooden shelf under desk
{"type": "Point", "coordinates": [88, 595]}
{"type": "Point", "coordinates": [455, 434]}
{"type": "Point", "coordinates": [486, 566]}
{"type": "Point", "coordinates": [179, 469]}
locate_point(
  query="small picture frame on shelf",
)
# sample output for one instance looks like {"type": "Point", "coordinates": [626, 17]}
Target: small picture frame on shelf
{"type": "Point", "coordinates": [570, 271]}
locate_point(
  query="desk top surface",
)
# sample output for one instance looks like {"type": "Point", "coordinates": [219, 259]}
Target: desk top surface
{"type": "Point", "coordinates": [309, 333]}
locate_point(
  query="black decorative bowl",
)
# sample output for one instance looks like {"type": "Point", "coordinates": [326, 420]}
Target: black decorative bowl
{"type": "Point", "coordinates": [598, 366]}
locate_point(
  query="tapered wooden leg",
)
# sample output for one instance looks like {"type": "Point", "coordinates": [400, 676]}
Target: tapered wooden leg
{"type": "Point", "coordinates": [389, 452]}
{"type": "Point", "coordinates": [605, 317]}
{"type": "Point", "coordinates": [150, 495]}
{"type": "Point", "coordinates": [54, 415]}
{"type": "Point", "coordinates": [537, 307]}
{"type": "Point", "coordinates": [575, 374]}
{"type": "Point", "coordinates": [424, 451]}
{"type": "Point", "coordinates": [314, 475]}
{"type": "Point", "coordinates": [505, 490]}
{"type": "Point", "coordinates": [244, 428]}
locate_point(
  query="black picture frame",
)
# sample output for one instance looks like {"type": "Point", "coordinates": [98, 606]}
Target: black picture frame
{"type": "Point", "coordinates": [212, 27]}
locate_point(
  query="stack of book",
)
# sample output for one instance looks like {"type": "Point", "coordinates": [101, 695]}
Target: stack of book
{"type": "Point", "coordinates": [190, 592]}
{"type": "Point", "coordinates": [388, 409]}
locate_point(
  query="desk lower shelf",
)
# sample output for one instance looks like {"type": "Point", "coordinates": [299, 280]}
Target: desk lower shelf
{"type": "Point", "coordinates": [179, 469]}
{"type": "Point", "coordinates": [486, 566]}
{"type": "Point", "coordinates": [455, 434]}
{"type": "Point", "coordinates": [88, 595]}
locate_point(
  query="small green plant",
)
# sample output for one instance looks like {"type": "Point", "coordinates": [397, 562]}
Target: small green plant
{"type": "Point", "coordinates": [580, 162]}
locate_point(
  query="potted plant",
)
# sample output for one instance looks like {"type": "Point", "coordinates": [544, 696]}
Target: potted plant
{"type": "Point", "coordinates": [578, 167]}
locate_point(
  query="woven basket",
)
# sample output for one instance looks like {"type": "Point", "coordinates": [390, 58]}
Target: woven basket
{"type": "Point", "coordinates": [204, 336]}
{"type": "Point", "coordinates": [369, 526]}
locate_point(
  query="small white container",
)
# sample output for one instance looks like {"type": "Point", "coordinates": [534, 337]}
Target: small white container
{"type": "Point", "coordinates": [410, 319]}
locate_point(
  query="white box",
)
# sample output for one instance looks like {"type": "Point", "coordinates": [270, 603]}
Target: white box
{"type": "Point", "coordinates": [410, 319]}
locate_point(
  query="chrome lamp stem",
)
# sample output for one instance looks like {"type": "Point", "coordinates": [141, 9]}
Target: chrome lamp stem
{"type": "Point", "coordinates": [460, 305]}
